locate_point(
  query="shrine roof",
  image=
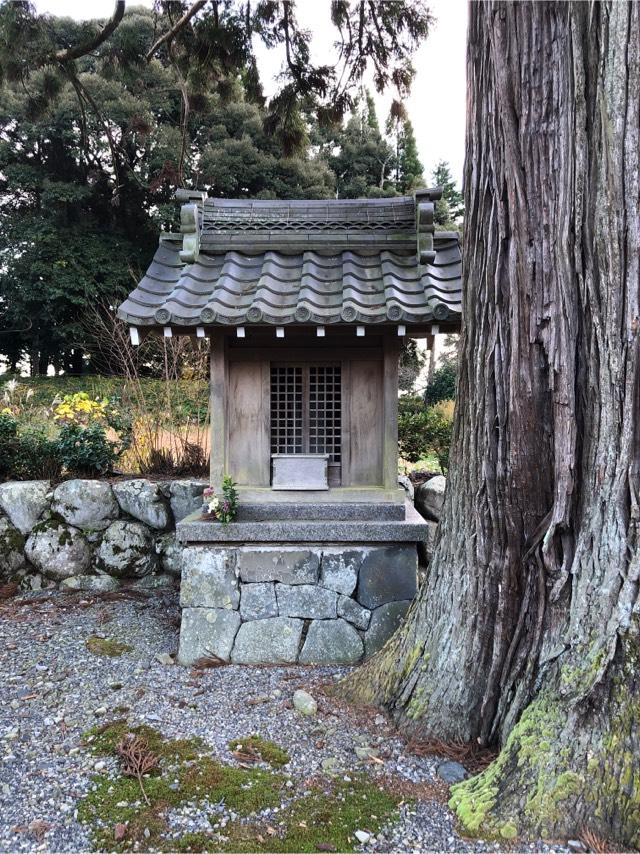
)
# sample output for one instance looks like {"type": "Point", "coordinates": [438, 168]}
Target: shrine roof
{"type": "Point", "coordinates": [239, 262]}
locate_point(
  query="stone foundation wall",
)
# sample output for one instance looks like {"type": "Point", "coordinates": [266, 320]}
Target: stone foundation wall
{"type": "Point", "coordinates": [92, 535]}
{"type": "Point", "coordinates": [284, 604]}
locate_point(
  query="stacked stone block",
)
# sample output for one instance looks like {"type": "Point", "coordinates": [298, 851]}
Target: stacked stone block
{"type": "Point", "coordinates": [287, 604]}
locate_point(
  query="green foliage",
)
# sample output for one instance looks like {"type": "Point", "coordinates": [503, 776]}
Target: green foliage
{"type": "Point", "coordinates": [442, 385]}
{"type": "Point", "coordinates": [450, 208]}
{"type": "Point", "coordinates": [325, 817]}
{"type": "Point", "coordinates": [86, 451]}
{"type": "Point", "coordinates": [26, 454]}
{"type": "Point", "coordinates": [222, 507]}
{"type": "Point", "coordinates": [411, 363]}
{"type": "Point", "coordinates": [424, 430]}
{"type": "Point", "coordinates": [363, 160]}
{"type": "Point", "coordinates": [92, 150]}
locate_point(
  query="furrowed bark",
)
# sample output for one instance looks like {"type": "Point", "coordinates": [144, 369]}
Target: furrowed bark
{"type": "Point", "coordinates": [525, 631]}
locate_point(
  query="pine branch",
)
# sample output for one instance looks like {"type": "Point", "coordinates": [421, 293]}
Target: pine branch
{"type": "Point", "coordinates": [71, 53]}
{"type": "Point", "coordinates": [168, 36]}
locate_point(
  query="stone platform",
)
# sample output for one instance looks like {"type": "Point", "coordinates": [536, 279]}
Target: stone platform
{"type": "Point", "coordinates": [328, 584]}
{"type": "Point", "coordinates": [350, 523]}
{"type": "Point", "coordinates": [285, 604]}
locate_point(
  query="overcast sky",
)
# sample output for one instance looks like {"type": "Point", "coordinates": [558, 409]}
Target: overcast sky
{"type": "Point", "coordinates": [437, 103]}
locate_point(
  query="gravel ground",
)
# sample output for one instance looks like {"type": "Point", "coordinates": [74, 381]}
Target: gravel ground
{"type": "Point", "coordinates": [54, 689]}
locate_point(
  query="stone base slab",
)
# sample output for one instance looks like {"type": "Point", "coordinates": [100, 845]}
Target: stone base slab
{"type": "Point", "coordinates": [269, 604]}
{"type": "Point", "coordinates": [410, 529]}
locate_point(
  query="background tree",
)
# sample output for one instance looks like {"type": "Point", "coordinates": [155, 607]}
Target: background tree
{"type": "Point", "coordinates": [525, 633]}
{"type": "Point", "coordinates": [450, 208]}
{"type": "Point", "coordinates": [101, 121]}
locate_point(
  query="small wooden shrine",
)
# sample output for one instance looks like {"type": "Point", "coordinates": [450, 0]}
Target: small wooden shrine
{"type": "Point", "coordinates": [307, 304]}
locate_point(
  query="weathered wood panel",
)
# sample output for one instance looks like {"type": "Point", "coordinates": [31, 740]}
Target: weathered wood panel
{"type": "Point", "coordinates": [218, 393]}
{"type": "Point", "coordinates": [366, 424]}
{"type": "Point", "coordinates": [248, 412]}
{"type": "Point", "coordinates": [390, 409]}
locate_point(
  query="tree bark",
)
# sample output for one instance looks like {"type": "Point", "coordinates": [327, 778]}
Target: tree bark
{"type": "Point", "coordinates": [525, 632]}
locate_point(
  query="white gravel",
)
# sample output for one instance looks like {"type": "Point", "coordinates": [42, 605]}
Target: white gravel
{"type": "Point", "coordinates": [54, 689]}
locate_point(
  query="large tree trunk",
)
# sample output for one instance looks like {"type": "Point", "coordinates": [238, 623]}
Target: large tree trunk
{"type": "Point", "coordinates": [525, 632]}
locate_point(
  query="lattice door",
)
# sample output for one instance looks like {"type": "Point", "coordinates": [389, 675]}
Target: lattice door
{"type": "Point", "coordinates": [306, 412]}
{"type": "Point", "coordinates": [286, 411]}
{"type": "Point", "coordinates": [325, 411]}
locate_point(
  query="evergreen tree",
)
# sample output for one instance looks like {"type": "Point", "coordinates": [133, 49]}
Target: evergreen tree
{"type": "Point", "coordinates": [364, 160]}
{"type": "Point", "coordinates": [450, 208]}
{"type": "Point", "coordinates": [410, 171]}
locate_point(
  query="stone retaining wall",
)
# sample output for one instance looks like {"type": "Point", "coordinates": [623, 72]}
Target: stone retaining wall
{"type": "Point", "coordinates": [90, 534]}
{"type": "Point", "coordinates": [285, 604]}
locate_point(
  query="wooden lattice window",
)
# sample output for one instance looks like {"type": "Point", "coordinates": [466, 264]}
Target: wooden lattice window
{"type": "Point", "coordinates": [325, 411]}
{"type": "Point", "coordinates": [286, 410]}
{"type": "Point", "coordinates": [306, 412]}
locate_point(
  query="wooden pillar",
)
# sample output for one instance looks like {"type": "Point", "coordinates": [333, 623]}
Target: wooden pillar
{"type": "Point", "coordinates": [218, 385]}
{"type": "Point", "coordinates": [390, 411]}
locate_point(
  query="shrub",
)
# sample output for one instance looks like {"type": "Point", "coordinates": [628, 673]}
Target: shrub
{"type": "Point", "coordinates": [442, 385]}
{"type": "Point", "coordinates": [423, 430]}
{"type": "Point", "coordinates": [86, 450]}
{"type": "Point", "coordinates": [28, 455]}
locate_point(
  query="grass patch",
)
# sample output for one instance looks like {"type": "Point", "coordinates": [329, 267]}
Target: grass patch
{"type": "Point", "coordinates": [326, 819]}
{"type": "Point", "coordinates": [106, 647]}
{"type": "Point", "coordinates": [254, 746]}
{"type": "Point", "coordinates": [184, 774]}
{"type": "Point", "coordinates": [103, 740]}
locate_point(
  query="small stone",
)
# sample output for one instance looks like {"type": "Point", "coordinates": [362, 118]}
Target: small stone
{"type": "Point", "coordinates": [329, 764]}
{"type": "Point", "coordinates": [11, 549]}
{"type": "Point", "coordinates": [101, 710]}
{"type": "Point", "coordinates": [154, 582]}
{"type": "Point", "coordinates": [164, 658]}
{"type": "Point", "coordinates": [170, 552]}
{"type": "Point", "coordinates": [304, 703]}
{"type": "Point", "coordinates": [102, 583]}
{"type": "Point", "coordinates": [451, 772]}
{"type": "Point", "coordinates": [100, 765]}
{"type": "Point", "coordinates": [575, 845]}
{"type": "Point", "coordinates": [362, 836]}
{"type": "Point", "coordinates": [366, 752]}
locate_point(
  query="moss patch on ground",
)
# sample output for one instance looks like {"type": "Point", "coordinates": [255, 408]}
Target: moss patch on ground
{"type": "Point", "coordinates": [254, 746]}
{"type": "Point", "coordinates": [106, 647]}
{"type": "Point", "coordinates": [325, 818]}
{"type": "Point", "coordinates": [103, 740]}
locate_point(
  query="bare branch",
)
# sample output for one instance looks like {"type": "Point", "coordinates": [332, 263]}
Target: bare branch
{"type": "Point", "coordinates": [71, 53]}
{"type": "Point", "coordinates": [176, 28]}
